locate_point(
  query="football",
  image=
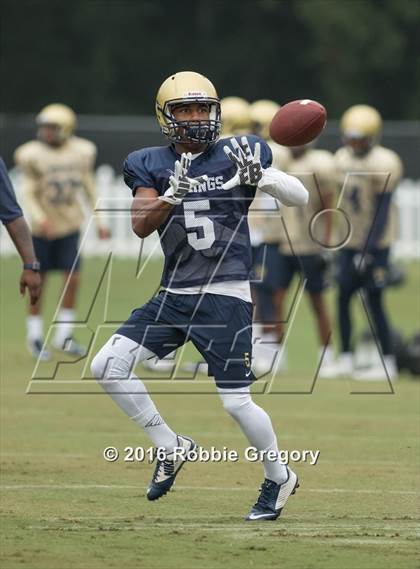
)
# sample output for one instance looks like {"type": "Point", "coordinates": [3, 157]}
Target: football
{"type": "Point", "coordinates": [298, 122]}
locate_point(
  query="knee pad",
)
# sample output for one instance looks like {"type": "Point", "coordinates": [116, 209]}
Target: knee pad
{"type": "Point", "coordinates": [118, 358]}
{"type": "Point", "coordinates": [235, 400]}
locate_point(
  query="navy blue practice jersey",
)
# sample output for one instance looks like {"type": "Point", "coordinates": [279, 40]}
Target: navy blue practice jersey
{"type": "Point", "coordinates": [206, 238]}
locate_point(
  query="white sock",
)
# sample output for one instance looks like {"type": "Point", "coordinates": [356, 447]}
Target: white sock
{"type": "Point", "coordinates": [328, 354]}
{"type": "Point", "coordinates": [132, 397]}
{"type": "Point", "coordinates": [64, 329]}
{"type": "Point", "coordinates": [112, 367]}
{"type": "Point", "coordinates": [256, 425]}
{"type": "Point", "coordinates": [34, 328]}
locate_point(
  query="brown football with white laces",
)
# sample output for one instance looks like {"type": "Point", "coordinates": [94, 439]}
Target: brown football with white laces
{"type": "Point", "coordinates": [298, 122]}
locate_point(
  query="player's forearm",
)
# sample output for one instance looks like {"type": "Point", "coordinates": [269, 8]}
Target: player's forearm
{"type": "Point", "coordinates": [287, 189]}
{"type": "Point", "coordinates": [380, 219]}
{"type": "Point", "coordinates": [147, 217]}
{"type": "Point", "coordinates": [328, 227]}
{"type": "Point", "coordinates": [21, 237]}
{"type": "Point", "coordinates": [29, 195]}
{"type": "Point", "coordinates": [328, 207]}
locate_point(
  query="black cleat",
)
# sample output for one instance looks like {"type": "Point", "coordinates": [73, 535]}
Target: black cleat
{"type": "Point", "coordinates": [166, 470]}
{"type": "Point", "coordinates": [72, 348]}
{"type": "Point", "coordinates": [36, 347]}
{"type": "Point", "coordinates": [273, 498]}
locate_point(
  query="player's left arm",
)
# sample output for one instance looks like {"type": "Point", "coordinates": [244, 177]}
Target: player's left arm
{"type": "Point", "coordinates": [21, 237]}
{"type": "Point", "coordinates": [327, 185]}
{"type": "Point", "coordinates": [327, 208]}
{"type": "Point", "coordinates": [382, 202]}
{"type": "Point", "coordinates": [12, 218]}
{"type": "Point", "coordinates": [250, 171]}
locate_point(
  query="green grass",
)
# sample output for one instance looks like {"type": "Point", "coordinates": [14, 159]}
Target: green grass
{"type": "Point", "coordinates": [64, 507]}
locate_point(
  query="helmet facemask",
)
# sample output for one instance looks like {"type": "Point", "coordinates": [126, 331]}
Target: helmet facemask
{"type": "Point", "coordinates": [361, 127]}
{"type": "Point", "coordinates": [191, 131]}
{"type": "Point", "coordinates": [56, 123]}
{"type": "Point", "coordinates": [50, 133]}
{"type": "Point", "coordinates": [360, 144]}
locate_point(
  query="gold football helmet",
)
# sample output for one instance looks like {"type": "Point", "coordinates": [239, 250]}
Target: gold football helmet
{"type": "Point", "coordinates": [361, 121]}
{"type": "Point", "coordinates": [262, 112]}
{"type": "Point", "coordinates": [182, 88]}
{"type": "Point", "coordinates": [60, 116]}
{"type": "Point", "coordinates": [361, 127]}
{"type": "Point", "coordinates": [236, 117]}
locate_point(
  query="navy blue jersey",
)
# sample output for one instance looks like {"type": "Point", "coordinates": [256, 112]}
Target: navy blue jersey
{"type": "Point", "coordinates": [9, 208]}
{"type": "Point", "coordinates": [206, 238]}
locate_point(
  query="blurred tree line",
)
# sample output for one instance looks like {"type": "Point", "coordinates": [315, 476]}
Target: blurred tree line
{"type": "Point", "coordinates": [110, 56]}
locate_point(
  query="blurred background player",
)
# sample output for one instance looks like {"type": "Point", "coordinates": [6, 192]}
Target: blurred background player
{"type": "Point", "coordinates": [305, 250]}
{"type": "Point", "coordinates": [56, 167]}
{"type": "Point", "coordinates": [267, 232]}
{"type": "Point", "coordinates": [236, 118]}
{"type": "Point", "coordinates": [12, 218]}
{"type": "Point", "coordinates": [370, 174]}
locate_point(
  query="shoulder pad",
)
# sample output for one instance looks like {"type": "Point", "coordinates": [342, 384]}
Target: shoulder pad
{"type": "Point", "coordinates": [86, 147]}
{"type": "Point", "coordinates": [26, 152]}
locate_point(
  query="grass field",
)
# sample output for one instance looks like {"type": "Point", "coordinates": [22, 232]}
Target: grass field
{"type": "Point", "coordinates": [64, 506]}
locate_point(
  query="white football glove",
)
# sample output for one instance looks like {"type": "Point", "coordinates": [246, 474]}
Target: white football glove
{"type": "Point", "coordinates": [249, 166]}
{"type": "Point", "coordinates": [179, 183]}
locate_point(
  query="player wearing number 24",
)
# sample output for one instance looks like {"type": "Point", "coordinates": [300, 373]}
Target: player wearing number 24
{"type": "Point", "coordinates": [196, 193]}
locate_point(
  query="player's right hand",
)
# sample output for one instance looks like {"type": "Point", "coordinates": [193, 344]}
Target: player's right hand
{"type": "Point", "coordinates": [179, 183]}
{"type": "Point", "coordinates": [324, 260]}
{"type": "Point", "coordinates": [362, 263]}
{"type": "Point", "coordinates": [249, 168]}
{"type": "Point", "coordinates": [32, 281]}
{"type": "Point", "coordinates": [103, 232]}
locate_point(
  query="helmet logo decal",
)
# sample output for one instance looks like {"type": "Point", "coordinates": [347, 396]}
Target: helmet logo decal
{"type": "Point", "coordinates": [195, 94]}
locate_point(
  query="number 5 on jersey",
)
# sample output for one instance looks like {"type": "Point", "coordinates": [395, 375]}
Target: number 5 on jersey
{"type": "Point", "coordinates": [203, 237]}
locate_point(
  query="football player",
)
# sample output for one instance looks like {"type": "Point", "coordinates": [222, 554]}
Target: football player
{"type": "Point", "coordinates": [12, 218]}
{"type": "Point", "coordinates": [196, 192]}
{"type": "Point", "coordinates": [266, 234]}
{"type": "Point", "coordinates": [369, 174]}
{"type": "Point", "coordinates": [56, 167]}
{"type": "Point", "coordinates": [309, 236]}
{"type": "Point", "coordinates": [236, 118]}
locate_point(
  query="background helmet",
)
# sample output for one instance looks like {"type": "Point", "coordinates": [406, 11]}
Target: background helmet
{"type": "Point", "coordinates": [183, 88]}
{"type": "Point", "coordinates": [236, 116]}
{"type": "Point", "coordinates": [361, 121]}
{"type": "Point", "coordinates": [60, 116]}
{"type": "Point", "coordinates": [262, 112]}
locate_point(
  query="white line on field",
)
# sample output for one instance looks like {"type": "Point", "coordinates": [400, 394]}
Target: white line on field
{"type": "Point", "coordinates": [48, 454]}
{"type": "Point", "coordinates": [288, 533]}
{"type": "Point", "coordinates": [293, 521]}
{"type": "Point", "coordinates": [198, 488]}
